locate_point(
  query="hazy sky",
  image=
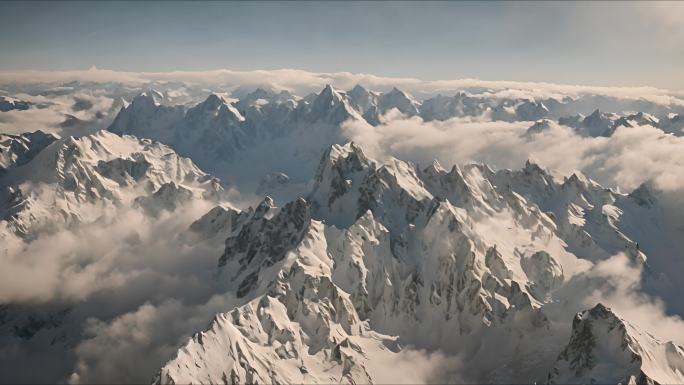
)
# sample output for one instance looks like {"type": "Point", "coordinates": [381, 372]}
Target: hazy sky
{"type": "Point", "coordinates": [610, 43]}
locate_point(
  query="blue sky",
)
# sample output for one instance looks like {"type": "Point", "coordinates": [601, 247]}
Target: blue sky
{"type": "Point", "coordinates": [610, 43]}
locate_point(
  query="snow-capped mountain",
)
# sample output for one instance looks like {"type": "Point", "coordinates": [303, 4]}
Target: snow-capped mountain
{"type": "Point", "coordinates": [77, 180]}
{"type": "Point", "coordinates": [372, 106]}
{"type": "Point", "coordinates": [8, 104]}
{"type": "Point", "coordinates": [398, 99]}
{"type": "Point", "coordinates": [384, 256]}
{"type": "Point", "coordinates": [637, 119]}
{"type": "Point", "coordinates": [17, 150]}
{"type": "Point", "coordinates": [596, 124]}
{"type": "Point", "coordinates": [218, 131]}
{"type": "Point", "coordinates": [538, 127]}
{"type": "Point", "coordinates": [363, 100]}
{"type": "Point", "coordinates": [213, 132]}
{"type": "Point", "coordinates": [220, 134]}
{"type": "Point", "coordinates": [531, 111]}
{"type": "Point", "coordinates": [261, 107]}
{"type": "Point", "coordinates": [446, 107]}
{"type": "Point", "coordinates": [604, 124]}
{"type": "Point", "coordinates": [348, 259]}
{"type": "Point", "coordinates": [673, 123]}
{"type": "Point", "coordinates": [330, 107]}
{"type": "Point", "coordinates": [146, 117]}
{"type": "Point", "coordinates": [604, 348]}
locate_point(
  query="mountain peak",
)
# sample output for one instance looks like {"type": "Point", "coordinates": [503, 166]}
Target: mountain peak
{"type": "Point", "coordinates": [645, 194]}
{"type": "Point", "coordinates": [260, 93]}
{"type": "Point", "coordinates": [589, 329]}
{"type": "Point", "coordinates": [364, 101]}
{"type": "Point", "coordinates": [598, 124]}
{"type": "Point", "coordinates": [595, 114]}
{"type": "Point", "coordinates": [331, 106]}
{"type": "Point", "coordinates": [605, 349]}
{"type": "Point", "coordinates": [435, 168]}
{"type": "Point", "coordinates": [396, 90]}
{"type": "Point", "coordinates": [397, 94]}
{"type": "Point", "coordinates": [148, 99]}
{"type": "Point", "coordinates": [531, 110]}
{"type": "Point", "coordinates": [336, 152]}
{"type": "Point", "coordinates": [266, 204]}
{"type": "Point", "coordinates": [216, 105]}
{"type": "Point", "coordinates": [601, 311]}
{"type": "Point", "coordinates": [398, 99]}
{"type": "Point", "coordinates": [212, 102]}
{"type": "Point", "coordinates": [531, 166]}
{"type": "Point", "coordinates": [151, 95]}
{"type": "Point", "coordinates": [328, 90]}
{"type": "Point", "coordinates": [144, 98]}
{"type": "Point", "coordinates": [539, 126]}
{"type": "Point", "coordinates": [358, 88]}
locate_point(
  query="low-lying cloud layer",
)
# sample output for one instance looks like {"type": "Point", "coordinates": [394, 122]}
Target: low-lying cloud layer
{"type": "Point", "coordinates": [131, 249]}
{"type": "Point", "coordinates": [72, 112]}
{"type": "Point", "coordinates": [631, 156]}
{"type": "Point", "coordinates": [126, 291]}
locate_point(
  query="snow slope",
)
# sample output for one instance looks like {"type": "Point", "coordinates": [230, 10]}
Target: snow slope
{"type": "Point", "coordinates": [77, 180]}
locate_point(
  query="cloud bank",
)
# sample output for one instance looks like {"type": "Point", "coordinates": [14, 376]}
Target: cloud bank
{"type": "Point", "coordinates": [120, 295]}
{"type": "Point", "coordinates": [303, 82]}
{"type": "Point", "coordinates": [631, 156]}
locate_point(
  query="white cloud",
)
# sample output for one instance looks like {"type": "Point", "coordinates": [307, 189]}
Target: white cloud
{"type": "Point", "coordinates": [415, 366]}
{"type": "Point", "coordinates": [629, 157]}
{"type": "Point", "coordinates": [53, 111]}
{"type": "Point", "coordinates": [303, 82]}
{"type": "Point", "coordinates": [73, 265]}
{"type": "Point", "coordinates": [136, 344]}
{"type": "Point", "coordinates": [133, 288]}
